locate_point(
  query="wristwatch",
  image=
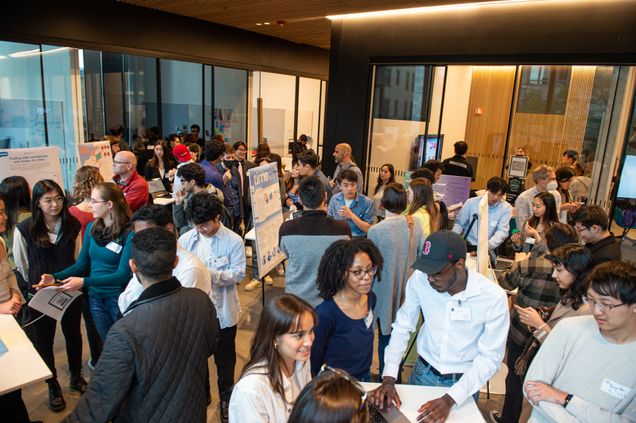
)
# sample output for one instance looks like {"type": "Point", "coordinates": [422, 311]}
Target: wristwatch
{"type": "Point", "coordinates": [568, 398]}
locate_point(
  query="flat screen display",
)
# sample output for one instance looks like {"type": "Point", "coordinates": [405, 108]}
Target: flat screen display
{"type": "Point", "coordinates": [626, 184]}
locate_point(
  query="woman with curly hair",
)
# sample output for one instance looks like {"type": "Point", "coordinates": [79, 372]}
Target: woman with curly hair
{"type": "Point", "coordinates": [345, 279]}
{"type": "Point", "coordinates": [86, 177]}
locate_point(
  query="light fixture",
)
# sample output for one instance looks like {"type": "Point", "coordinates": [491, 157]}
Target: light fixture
{"type": "Point", "coordinates": [259, 24]}
{"type": "Point", "coordinates": [428, 9]}
{"type": "Point", "coordinates": [3, 57]}
{"type": "Point", "coordinates": [25, 53]}
{"type": "Point", "coordinates": [266, 23]}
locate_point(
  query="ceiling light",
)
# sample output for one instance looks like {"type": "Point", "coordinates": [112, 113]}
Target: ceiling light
{"type": "Point", "coordinates": [427, 9]}
{"type": "Point", "coordinates": [265, 23]}
{"type": "Point", "coordinates": [259, 24]}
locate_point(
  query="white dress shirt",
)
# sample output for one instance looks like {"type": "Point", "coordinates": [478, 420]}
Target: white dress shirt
{"type": "Point", "coordinates": [225, 259]}
{"type": "Point", "coordinates": [464, 333]}
{"type": "Point", "coordinates": [254, 400]}
{"type": "Point", "coordinates": [190, 271]}
{"type": "Point", "coordinates": [498, 221]}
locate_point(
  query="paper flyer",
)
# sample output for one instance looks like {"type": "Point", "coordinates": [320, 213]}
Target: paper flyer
{"type": "Point", "coordinates": [53, 302]}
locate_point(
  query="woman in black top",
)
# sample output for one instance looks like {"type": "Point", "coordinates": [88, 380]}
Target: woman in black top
{"type": "Point", "coordinates": [161, 166]}
{"type": "Point", "coordinates": [45, 243]}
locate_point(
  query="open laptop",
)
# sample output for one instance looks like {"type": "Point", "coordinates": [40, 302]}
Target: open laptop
{"type": "Point", "coordinates": [390, 415]}
{"type": "Point", "coordinates": [158, 192]}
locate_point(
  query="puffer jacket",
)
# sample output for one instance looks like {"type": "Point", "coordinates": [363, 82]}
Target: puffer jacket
{"type": "Point", "coordinates": [154, 364]}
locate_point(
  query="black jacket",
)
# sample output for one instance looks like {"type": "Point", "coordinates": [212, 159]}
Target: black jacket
{"type": "Point", "coordinates": [606, 249]}
{"type": "Point", "coordinates": [154, 364]}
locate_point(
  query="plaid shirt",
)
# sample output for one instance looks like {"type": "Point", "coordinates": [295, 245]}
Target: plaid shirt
{"type": "Point", "coordinates": [533, 277]}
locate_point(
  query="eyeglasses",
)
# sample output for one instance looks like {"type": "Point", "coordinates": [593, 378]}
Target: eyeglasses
{"type": "Point", "coordinates": [93, 201]}
{"type": "Point", "coordinates": [48, 201]}
{"type": "Point", "coordinates": [361, 273]}
{"type": "Point", "coordinates": [579, 230]}
{"type": "Point", "coordinates": [345, 376]}
{"type": "Point", "coordinates": [593, 304]}
{"type": "Point", "coordinates": [183, 180]}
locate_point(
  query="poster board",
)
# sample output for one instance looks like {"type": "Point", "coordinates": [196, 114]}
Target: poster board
{"type": "Point", "coordinates": [267, 213]}
{"type": "Point", "coordinates": [34, 164]}
{"type": "Point", "coordinates": [455, 189]}
{"type": "Point", "coordinates": [97, 154]}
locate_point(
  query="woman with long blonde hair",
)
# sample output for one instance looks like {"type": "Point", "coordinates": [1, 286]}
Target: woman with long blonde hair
{"type": "Point", "coordinates": [422, 205]}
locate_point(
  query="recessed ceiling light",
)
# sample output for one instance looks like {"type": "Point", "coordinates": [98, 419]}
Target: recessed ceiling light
{"type": "Point", "coordinates": [259, 24]}
{"type": "Point", "coordinates": [266, 23]}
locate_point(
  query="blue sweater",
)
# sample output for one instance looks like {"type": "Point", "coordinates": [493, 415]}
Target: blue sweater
{"type": "Point", "coordinates": [342, 342]}
{"type": "Point", "coordinates": [105, 272]}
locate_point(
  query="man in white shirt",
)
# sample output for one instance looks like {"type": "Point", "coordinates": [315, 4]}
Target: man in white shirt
{"type": "Point", "coordinates": [190, 271]}
{"type": "Point", "coordinates": [462, 340]}
{"type": "Point", "coordinates": [221, 251]}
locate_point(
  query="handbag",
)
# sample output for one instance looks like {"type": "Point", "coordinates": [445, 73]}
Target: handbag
{"type": "Point", "coordinates": [532, 346]}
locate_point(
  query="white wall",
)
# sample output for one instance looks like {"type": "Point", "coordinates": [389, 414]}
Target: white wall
{"type": "Point", "coordinates": [456, 98]}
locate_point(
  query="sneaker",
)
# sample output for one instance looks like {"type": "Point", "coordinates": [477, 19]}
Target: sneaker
{"type": "Point", "coordinates": [253, 284]}
{"type": "Point", "coordinates": [56, 399]}
{"type": "Point", "coordinates": [269, 281]}
{"type": "Point", "coordinates": [495, 416]}
{"type": "Point", "coordinates": [248, 251]}
{"type": "Point", "coordinates": [224, 412]}
{"type": "Point", "coordinates": [78, 383]}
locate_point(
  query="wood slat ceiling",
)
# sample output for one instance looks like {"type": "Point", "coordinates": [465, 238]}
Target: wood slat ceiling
{"type": "Point", "coordinates": [305, 19]}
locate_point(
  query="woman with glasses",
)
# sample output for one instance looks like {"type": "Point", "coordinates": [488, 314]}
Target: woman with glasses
{"type": "Point", "coordinates": [102, 265]}
{"type": "Point", "coordinates": [544, 215]}
{"type": "Point", "coordinates": [344, 335]}
{"type": "Point", "coordinates": [45, 243]}
{"type": "Point", "coordinates": [278, 368]}
{"type": "Point", "coordinates": [571, 264]}
{"type": "Point", "coordinates": [332, 396]}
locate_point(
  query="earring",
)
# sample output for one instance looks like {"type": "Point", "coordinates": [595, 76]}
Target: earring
{"type": "Point", "coordinates": [275, 345]}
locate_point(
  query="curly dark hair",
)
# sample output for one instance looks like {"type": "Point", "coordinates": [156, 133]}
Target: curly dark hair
{"type": "Point", "coordinates": [203, 207]}
{"type": "Point", "coordinates": [332, 271]}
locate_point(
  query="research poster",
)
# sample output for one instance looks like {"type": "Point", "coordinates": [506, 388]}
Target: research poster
{"type": "Point", "coordinates": [268, 216]}
{"type": "Point", "coordinates": [34, 164]}
{"type": "Point", "coordinates": [97, 154]}
{"type": "Point", "coordinates": [455, 189]}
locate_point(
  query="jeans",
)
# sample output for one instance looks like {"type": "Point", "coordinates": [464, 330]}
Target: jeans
{"type": "Point", "coordinates": [514, 394]}
{"type": "Point", "coordinates": [423, 376]}
{"type": "Point", "coordinates": [105, 312]}
{"type": "Point", "coordinates": [95, 343]}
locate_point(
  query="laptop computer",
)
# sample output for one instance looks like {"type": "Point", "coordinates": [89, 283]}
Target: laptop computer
{"type": "Point", "coordinates": [158, 192]}
{"type": "Point", "coordinates": [386, 415]}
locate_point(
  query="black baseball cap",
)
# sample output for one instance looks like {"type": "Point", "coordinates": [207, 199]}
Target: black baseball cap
{"type": "Point", "coordinates": [440, 248]}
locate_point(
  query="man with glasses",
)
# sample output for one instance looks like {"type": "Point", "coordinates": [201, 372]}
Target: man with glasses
{"type": "Point", "coordinates": [592, 224]}
{"type": "Point", "coordinates": [462, 340]}
{"type": "Point", "coordinates": [135, 187]}
{"type": "Point", "coordinates": [221, 251]}
{"type": "Point", "coordinates": [585, 370]}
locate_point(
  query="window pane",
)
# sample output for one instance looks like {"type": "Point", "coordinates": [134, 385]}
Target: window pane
{"type": "Point", "coordinates": [230, 99]}
{"type": "Point", "coordinates": [309, 109]}
{"type": "Point", "coordinates": [113, 70]}
{"type": "Point", "coordinates": [140, 79]}
{"type": "Point", "coordinates": [543, 89]}
{"type": "Point", "coordinates": [207, 106]}
{"type": "Point", "coordinates": [21, 106]}
{"type": "Point", "coordinates": [181, 95]}
{"type": "Point", "coordinates": [64, 119]}
{"type": "Point", "coordinates": [93, 95]}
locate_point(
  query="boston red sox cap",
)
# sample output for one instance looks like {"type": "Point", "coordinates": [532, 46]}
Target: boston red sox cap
{"type": "Point", "coordinates": [440, 248]}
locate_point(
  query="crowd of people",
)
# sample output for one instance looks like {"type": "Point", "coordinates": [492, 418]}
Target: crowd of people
{"type": "Point", "coordinates": [160, 291]}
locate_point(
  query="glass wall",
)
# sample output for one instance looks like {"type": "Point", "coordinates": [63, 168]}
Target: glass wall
{"type": "Point", "coordinates": [230, 104]}
{"type": "Point", "coordinates": [61, 96]}
{"type": "Point", "coordinates": [181, 95]}
{"type": "Point", "coordinates": [21, 102]}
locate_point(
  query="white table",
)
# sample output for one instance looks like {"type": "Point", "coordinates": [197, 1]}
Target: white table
{"type": "Point", "coordinates": [413, 396]}
{"type": "Point", "coordinates": [21, 365]}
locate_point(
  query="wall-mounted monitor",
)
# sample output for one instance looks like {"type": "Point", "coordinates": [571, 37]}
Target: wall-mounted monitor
{"type": "Point", "coordinates": [427, 147]}
{"type": "Point", "coordinates": [626, 185]}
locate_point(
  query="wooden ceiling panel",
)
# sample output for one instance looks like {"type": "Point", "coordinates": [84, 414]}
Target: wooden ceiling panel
{"type": "Point", "coordinates": [305, 21]}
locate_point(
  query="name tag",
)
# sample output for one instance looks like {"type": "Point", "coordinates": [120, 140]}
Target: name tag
{"type": "Point", "coordinates": [530, 240]}
{"type": "Point", "coordinates": [114, 247]}
{"type": "Point", "coordinates": [369, 319]}
{"type": "Point", "coordinates": [614, 389]}
{"type": "Point", "coordinates": [460, 314]}
{"type": "Point", "coordinates": [221, 261]}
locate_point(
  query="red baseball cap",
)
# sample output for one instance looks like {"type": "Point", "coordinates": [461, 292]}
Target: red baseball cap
{"type": "Point", "coordinates": [181, 153]}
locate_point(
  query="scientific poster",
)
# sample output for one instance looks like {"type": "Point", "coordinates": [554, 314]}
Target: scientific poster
{"type": "Point", "coordinates": [34, 164]}
{"type": "Point", "coordinates": [268, 216]}
{"type": "Point", "coordinates": [455, 189]}
{"type": "Point", "coordinates": [97, 154]}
